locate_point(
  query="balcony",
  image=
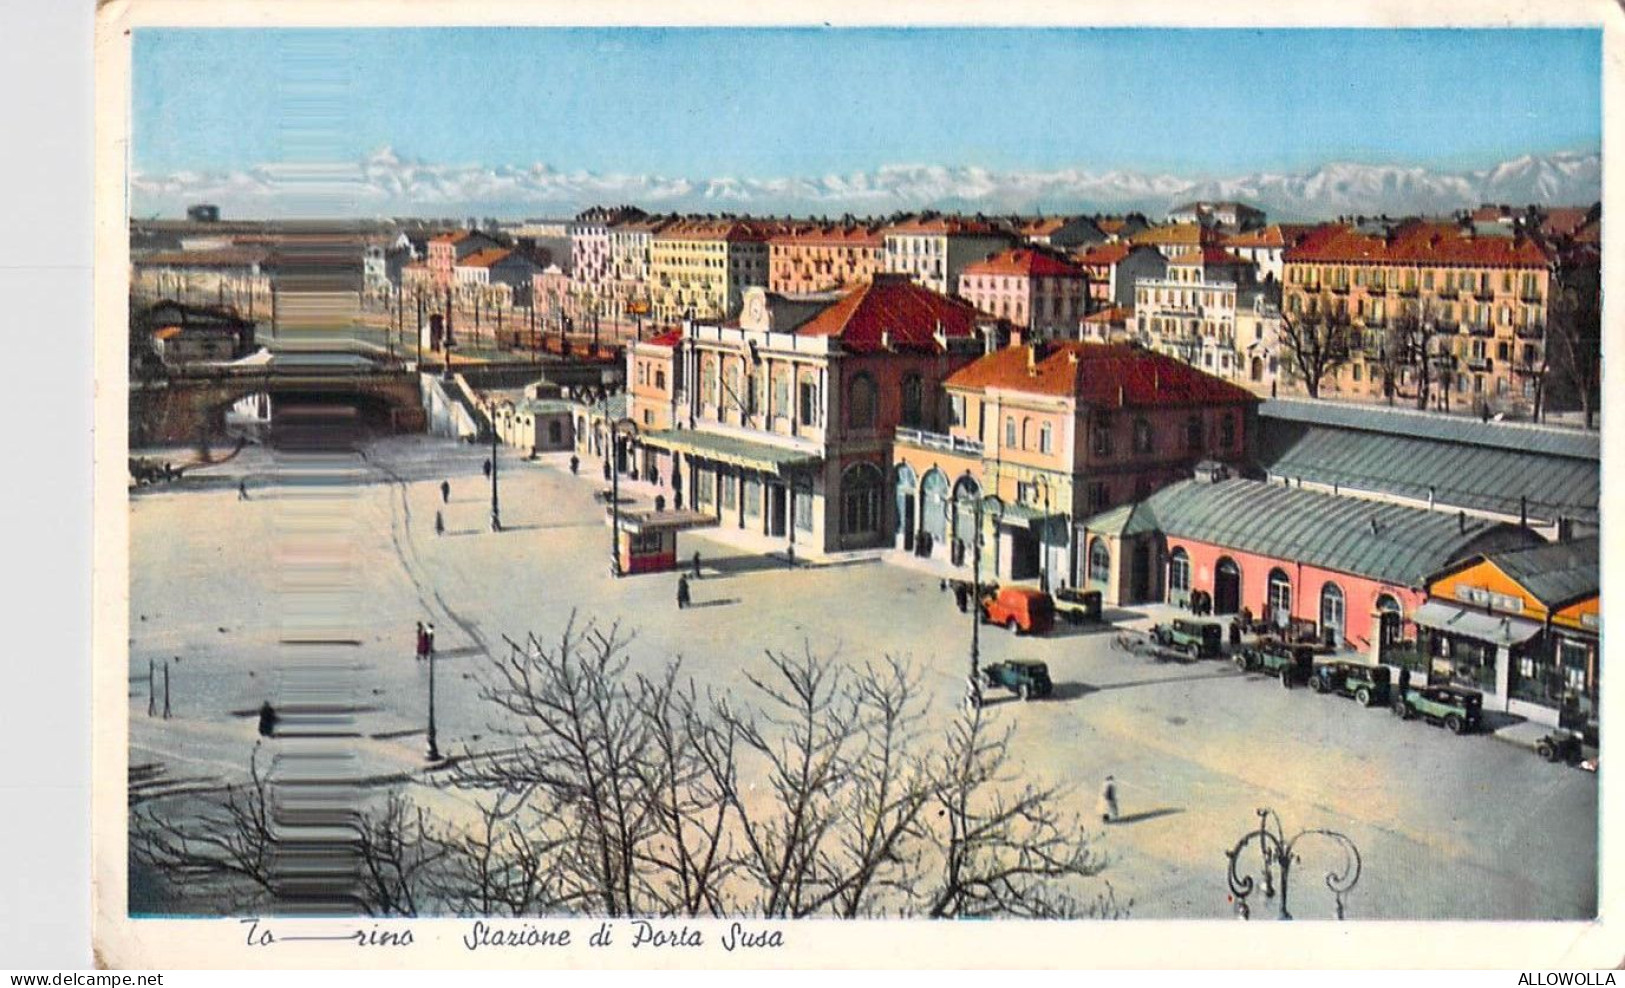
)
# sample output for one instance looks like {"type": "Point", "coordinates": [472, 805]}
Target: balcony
{"type": "Point", "coordinates": [1484, 294]}
{"type": "Point", "coordinates": [1447, 294]}
{"type": "Point", "coordinates": [1479, 329]}
{"type": "Point", "coordinates": [1481, 364]}
{"type": "Point", "coordinates": [1535, 332]}
{"type": "Point", "coordinates": [1338, 289]}
{"type": "Point", "coordinates": [1530, 298]}
{"type": "Point", "coordinates": [936, 440]}
{"type": "Point", "coordinates": [1409, 291]}
{"type": "Point", "coordinates": [1444, 361]}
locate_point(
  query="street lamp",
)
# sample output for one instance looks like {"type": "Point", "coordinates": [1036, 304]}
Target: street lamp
{"type": "Point", "coordinates": [994, 504]}
{"type": "Point", "coordinates": [434, 748]}
{"type": "Point", "coordinates": [496, 510]}
{"type": "Point", "coordinates": [1277, 854]}
{"type": "Point", "coordinates": [615, 430]}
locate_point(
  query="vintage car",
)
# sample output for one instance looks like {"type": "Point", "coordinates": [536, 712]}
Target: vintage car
{"type": "Point", "coordinates": [1367, 684]}
{"type": "Point", "coordinates": [1025, 679]}
{"type": "Point", "coordinates": [1458, 709]}
{"type": "Point", "coordinates": [1021, 609]}
{"type": "Point", "coordinates": [1560, 746]}
{"type": "Point", "coordinates": [1077, 606]}
{"type": "Point", "coordinates": [1291, 664]}
{"type": "Point", "coordinates": [1198, 639]}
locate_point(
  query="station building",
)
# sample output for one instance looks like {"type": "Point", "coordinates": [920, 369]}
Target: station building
{"type": "Point", "coordinates": [1290, 555]}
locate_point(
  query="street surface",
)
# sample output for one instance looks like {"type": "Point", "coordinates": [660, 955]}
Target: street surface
{"type": "Point", "coordinates": [1449, 827]}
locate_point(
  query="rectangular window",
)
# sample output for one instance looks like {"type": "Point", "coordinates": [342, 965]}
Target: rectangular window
{"type": "Point", "coordinates": [804, 510]}
{"type": "Point", "coordinates": [809, 402]}
{"type": "Point", "coordinates": [1097, 497]}
{"type": "Point", "coordinates": [729, 491]}
{"type": "Point", "coordinates": [752, 493]}
{"type": "Point", "coordinates": [1045, 439]}
{"type": "Point", "coordinates": [956, 407]}
{"type": "Point", "coordinates": [705, 482]}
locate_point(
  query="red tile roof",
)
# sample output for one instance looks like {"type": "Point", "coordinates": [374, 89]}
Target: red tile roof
{"type": "Point", "coordinates": [1208, 257]}
{"type": "Point", "coordinates": [945, 226]}
{"type": "Point", "coordinates": [223, 257]}
{"type": "Point", "coordinates": [1563, 221]}
{"type": "Point", "coordinates": [1416, 242]}
{"type": "Point", "coordinates": [1105, 254]}
{"type": "Point", "coordinates": [1099, 375]}
{"type": "Point", "coordinates": [670, 338]}
{"type": "Point", "coordinates": [1042, 226]}
{"type": "Point", "coordinates": [892, 304]}
{"type": "Point", "coordinates": [834, 235]}
{"type": "Point", "coordinates": [703, 229]}
{"type": "Point", "coordinates": [1027, 264]}
{"type": "Point", "coordinates": [1269, 236]}
{"type": "Point", "coordinates": [484, 258]}
{"type": "Point", "coordinates": [1116, 313]}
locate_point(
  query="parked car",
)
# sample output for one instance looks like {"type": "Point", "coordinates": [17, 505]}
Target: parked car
{"type": "Point", "coordinates": [1021, 609]}
{"type": "Point", "coordinates": [1023, 678]}
{"type": "Point", "coordinates": [1458, 709]}
{"type": "Point", "coordinates": [1559, 746]}
{"type": "Point", "coordinates": [1198, 639]}
{"type": "Point", "coordinates": [1367, 684]}
{"type": "Point", "coordinates": [1077, 606]}
{"type": "Point", "coordinates": [1292, 664]}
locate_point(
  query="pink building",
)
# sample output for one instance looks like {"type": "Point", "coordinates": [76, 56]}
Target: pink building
{"type": "Point", "coordinates": [1286, 554]}
{"type": "Point", "coordinates": [1031, 288]}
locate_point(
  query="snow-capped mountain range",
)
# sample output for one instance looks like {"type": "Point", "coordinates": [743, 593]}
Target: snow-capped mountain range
{"type": "Point", "coordinates": [386, 183]}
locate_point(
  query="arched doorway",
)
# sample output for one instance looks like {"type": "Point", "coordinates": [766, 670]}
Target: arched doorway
{"type": "Point", "coordinates": [905, 486]}
{"type": "Point", "coordinates": [861, 487]}
{"type": "Point", "coordinates": [1258, 369]}
{"type": "Point", "coordinates": [1179, 576]}
{"type": "Point", "coordinates": [1279, 599]}
{"type": "Point", "coordinates": [1226, 586]}
{"type": "Point", "coordinates": [1332, 613]}
{"type": "Point", "coordinates": [1100, 562]}
{"type": "Point", "coordinates": [966, 493]}
{"type": "Point", "coordinates": [1141, 577]}
{"type": "Point", "coordinates": [1391, 618]}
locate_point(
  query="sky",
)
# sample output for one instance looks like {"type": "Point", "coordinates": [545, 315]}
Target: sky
{"type": "Point", "coordinates": [769, 103]}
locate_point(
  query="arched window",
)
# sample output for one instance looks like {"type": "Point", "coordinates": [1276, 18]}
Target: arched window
{"type": "Point", "coordinates": [861, 486]}
{"type": "Point", "coordinates": [913, 402]}
{"type": "Point", "coordinates": [966, 493]}
{"type": "Point", "coordinates": [1179, 570]}
{"type": "Point", "coordinates": [934, 504]}
{"type": "Point", "coordinates": [1100, 561]}
{"type": "Point", "coordinates": [736, 390]}
{"type": "Point", "coordinates": [1392, 616]}
{"type": "Point", "coordinates": [1046, 438]}
{"type": "Point", "coordinates": [709, 387]}
{"type": "Point", "coordinates": [906, 484]}
{"type": "Point", "coordinates": [1010, 431]}
{"type": "Point", "coordinates": [1331, 610]}
{"type": "Point", "coordinates": [1026, 433]}
{"type": "Point", "coordinates": [1280, 597]}
{"type": "Point", "coordinates": [860, 408]}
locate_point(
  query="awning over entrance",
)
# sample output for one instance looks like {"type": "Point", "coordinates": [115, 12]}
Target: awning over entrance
{"type": "Point", "coordinates": [1496, 629]}
{"type": "Point", "coordinates": [746, 453]}
{"type": "Point", "coordinates": [645, 522]}
{"type": "Point", "coordinates": [1025, 516]}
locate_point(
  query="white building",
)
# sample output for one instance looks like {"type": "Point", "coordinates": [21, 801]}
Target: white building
{"type": "Point", "coordinates": [934, 252]}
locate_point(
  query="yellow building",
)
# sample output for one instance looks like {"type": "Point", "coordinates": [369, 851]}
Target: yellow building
{"type": "Point", "coordinates": [699, 269]}
{"type": "Point", "coordinates": [1483, 297]}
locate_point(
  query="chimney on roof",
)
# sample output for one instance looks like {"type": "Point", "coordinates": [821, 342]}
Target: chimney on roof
{"type": "Point", "coordinates": [1122, 396]}
{"type": "Point", "coordinates": [885, 339]}
{"type": "Point", "coordinates": [1523, 510]}
{"type": "Point", "coordinates": [1375, 528]}
{"type": "Point", "coordinates": [1461, 522]}
{"type": "Point", "coordinates": [1032, 359]}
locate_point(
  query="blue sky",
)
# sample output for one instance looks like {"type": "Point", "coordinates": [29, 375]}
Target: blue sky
{"type": "Point", "coordinates": [771, 102]}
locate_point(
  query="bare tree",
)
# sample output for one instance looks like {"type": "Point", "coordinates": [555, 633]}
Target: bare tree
{"type": "Point", "coordinates": [236, 852]}
{"type": "Point", "coordinates": [1317, 344]}
{"type": "Point", "coordinates": [1406, 349]}
{"type": "Point", "coordinates": [508, 864]}
{"type": "Point", "coordinates": [1574, 338]}
{"type": "Point", "coordinates": [1005, 848]}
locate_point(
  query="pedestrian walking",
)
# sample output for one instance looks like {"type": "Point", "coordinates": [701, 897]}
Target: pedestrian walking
{"type": "Point", "coordinates": [696, 564]}
{"type": "Point", "coordinates": [1404, 681]}
{"type": "Point", "coordinates": [422, 646]}
{"type": "Point", "coordinates": [962, 597]}
{"type": "Point", "coordinates": [575, 465]}
{"type": "Point", "coordinates": [683, 599]}
{"type": "Point", "coordinates": [428, 641]}
{"type": "Point", "coordinates": [790, 557]}
{"type": "Point", "coordinates": [1108, 800]}
{"type": "Point", "coordinates": [242, 490]}
{"type": "Point", "coordinates": [487, 466]}
{"type": "Point", "coordinates": [268, 719]}
{"type": "Point", "coordinates": [439, 524]}
{"type": "Point", "coordinates": [445, 492]}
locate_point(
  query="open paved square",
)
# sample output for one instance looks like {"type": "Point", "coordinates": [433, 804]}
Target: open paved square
{"type": "Point", "coordinates": [1449, 827]}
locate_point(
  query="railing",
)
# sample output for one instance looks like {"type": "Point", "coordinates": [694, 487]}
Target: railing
{"type": "Point", "coordinates": [1484, 294]}
{"type": "Point", "coordinates": [1338, 289]}
{"type": "Point", "coordinates": [1531, 332]}
{"type": "Point", "coordinates": [1484, 364]}
{"type": "Point", "coordinates": [1447, 293]}
{"type": "Point", "coordinates": [1532, 298]}
{"type": "Point", "coordinates": [1480, 329]}
{"type": "Point", "coordinates": [1409, 291]}
{"type": "Point", "coordinates": [936, 440]}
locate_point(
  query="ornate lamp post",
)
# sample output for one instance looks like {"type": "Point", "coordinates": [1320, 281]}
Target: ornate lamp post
{"type": "Point", "coordinates": [993, 504]}
{"type": "Point", "coordinates": [615, 430]}
{"type": "Point", "coordinates": [1277, 855]}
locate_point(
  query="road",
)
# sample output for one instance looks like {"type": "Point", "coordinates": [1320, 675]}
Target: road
{"type": "Point", "coordinates": [1449, 827]}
